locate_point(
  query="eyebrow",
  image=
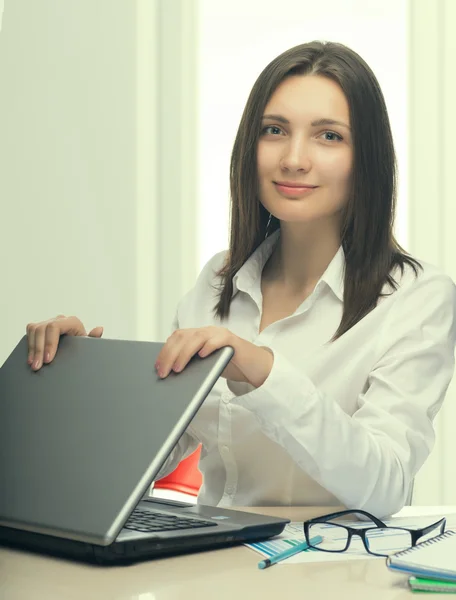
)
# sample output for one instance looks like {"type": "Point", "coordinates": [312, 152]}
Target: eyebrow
{"type": "Point", "coordinates": [317, 123]}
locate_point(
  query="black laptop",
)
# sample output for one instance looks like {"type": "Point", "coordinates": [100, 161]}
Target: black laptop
{"type": "Point", "coordinates": [82, 439]}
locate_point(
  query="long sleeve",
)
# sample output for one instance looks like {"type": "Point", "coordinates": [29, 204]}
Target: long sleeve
{"type": "Point", "coordinates": [368, 459]}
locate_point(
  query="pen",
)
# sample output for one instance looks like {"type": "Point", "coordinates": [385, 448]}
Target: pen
{"type": "Point", "coordinates": [264, 564]}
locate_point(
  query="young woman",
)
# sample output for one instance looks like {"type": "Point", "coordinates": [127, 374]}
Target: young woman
{"type": "Point", "coordinates": [344, 344]}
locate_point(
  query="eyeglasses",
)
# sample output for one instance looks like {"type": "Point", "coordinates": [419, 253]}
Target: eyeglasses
{"type": "Point", "coordinates": [380, 540]}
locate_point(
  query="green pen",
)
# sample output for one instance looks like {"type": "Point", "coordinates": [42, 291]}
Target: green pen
{"type": "Point", "coordinates": [267, 562]}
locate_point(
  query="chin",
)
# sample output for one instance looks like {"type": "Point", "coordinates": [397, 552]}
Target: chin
{"type": "Point", "coordinates": [299, 216]}
{"type": "Point", "coordinates": [302, 211]}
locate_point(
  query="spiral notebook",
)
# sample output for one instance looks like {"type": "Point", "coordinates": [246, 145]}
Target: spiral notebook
{"type": "Point", "coordinates": [435, 558]}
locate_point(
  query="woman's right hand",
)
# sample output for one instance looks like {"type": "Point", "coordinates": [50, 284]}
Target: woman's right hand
{"type": "Point", "coordinates": [43, 338]}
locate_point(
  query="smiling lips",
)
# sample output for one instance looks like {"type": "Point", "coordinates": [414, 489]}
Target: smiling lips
{"type": "Point", "coordinates": [294, 190]}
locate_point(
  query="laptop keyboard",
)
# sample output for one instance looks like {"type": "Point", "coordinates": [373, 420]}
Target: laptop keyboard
{"type": "Point", "coordinates": [148, 521]}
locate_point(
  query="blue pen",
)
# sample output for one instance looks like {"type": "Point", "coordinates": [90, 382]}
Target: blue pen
{"type": "Point", "coordinates": [264, 564]}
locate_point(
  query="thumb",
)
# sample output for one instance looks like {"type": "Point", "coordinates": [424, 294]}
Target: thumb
{"type": "Point", "coordinates": [97, 332]}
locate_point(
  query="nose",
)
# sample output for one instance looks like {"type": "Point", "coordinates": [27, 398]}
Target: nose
{"type": "Point", "coordinates": [296, 156]}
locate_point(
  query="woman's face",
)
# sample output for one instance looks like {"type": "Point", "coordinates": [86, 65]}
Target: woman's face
{"type": "Point", "coordinates": [305, 141]}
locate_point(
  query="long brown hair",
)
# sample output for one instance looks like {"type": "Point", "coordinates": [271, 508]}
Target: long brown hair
{"type": "Point", "coordinates": [371, 251]}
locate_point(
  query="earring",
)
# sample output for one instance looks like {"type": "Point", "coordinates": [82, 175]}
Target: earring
{"type": "Point", "coordinates": [267, 226]}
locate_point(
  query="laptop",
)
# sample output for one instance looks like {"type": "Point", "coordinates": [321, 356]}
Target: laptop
{"type": "Point", "coordinates": [81, 441]}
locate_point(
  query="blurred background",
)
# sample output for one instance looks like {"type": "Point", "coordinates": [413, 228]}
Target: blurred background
{"type": "Point", "coordinates": [117, 119]}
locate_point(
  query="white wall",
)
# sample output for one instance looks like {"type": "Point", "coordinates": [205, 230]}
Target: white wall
{"type": "Point", "coordinates": [237, 38]}
{"type": "Point", "coordinates": [96, 164]}
{"type": "Point", "coordinates": [432, 207]}
{"type": "Point", "coordinates": [67, 160]}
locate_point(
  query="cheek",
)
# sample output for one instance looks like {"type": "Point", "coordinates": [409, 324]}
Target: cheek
{"type": "Point", "coordinates": [337, 166]}
{"type": "Point", "coordinates": [266, 160]}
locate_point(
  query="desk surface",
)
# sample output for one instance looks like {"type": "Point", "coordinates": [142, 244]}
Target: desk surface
{"type": "Point", "coordinates": [221, 574]}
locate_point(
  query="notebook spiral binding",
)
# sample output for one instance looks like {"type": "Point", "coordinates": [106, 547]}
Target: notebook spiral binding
{"type": "Point", "coordinates": [427, 543]}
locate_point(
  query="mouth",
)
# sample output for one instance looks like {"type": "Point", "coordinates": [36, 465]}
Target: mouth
{"type": "Point", "coordinates": [293, 190]}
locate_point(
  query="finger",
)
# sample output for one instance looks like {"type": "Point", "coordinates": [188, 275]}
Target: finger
{"type": "Point", "coordinates": [39, 347]}
{"type": "Point", "coordinates": [187, 352]}
{"type": "Point", "coordinates": [58, 327]}
{"type": "Point", "coordinates": [171, 350]}
{"type": "Point", "coordinates": [31, 342]}
{"type": "Point", "coordinates": [192, 345]}
{"type": "Point", "coordinates": [168, 347]}
{"type": "Point", "coordinates": [71, 326]}
{"type": "Point", "coordinates": [168, 355]}
{"type": "Point", "coordinates": [51, 340]}
{"type": "Point", "coordinates": [96, 332]}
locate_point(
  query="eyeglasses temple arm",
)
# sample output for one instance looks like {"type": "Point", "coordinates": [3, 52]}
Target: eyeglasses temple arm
{"type": "Point", "coordinates": [429, 528]}
{"type": "Point", "coordinates": [342, 513]}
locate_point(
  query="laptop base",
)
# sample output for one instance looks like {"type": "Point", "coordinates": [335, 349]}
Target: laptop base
{"type": "Point", "coordinates": [127, 552]}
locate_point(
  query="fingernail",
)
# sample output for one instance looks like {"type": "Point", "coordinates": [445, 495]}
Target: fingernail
{"type": "Point", "coordinates": [157, 366]}
{"type": "Point", "coordinates": [47, 356]}
{"type": "Point", "coordinates": [30, 360]}
{"type": "Point", "coordinates": [36, 364]}
{"type": "Point", "coordinates": [177, 368]}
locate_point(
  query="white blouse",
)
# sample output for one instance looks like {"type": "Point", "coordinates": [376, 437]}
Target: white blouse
{"type": "Point", "coordinates": [346, 422]}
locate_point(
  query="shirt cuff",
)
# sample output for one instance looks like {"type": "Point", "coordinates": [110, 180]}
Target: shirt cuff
{"type": "Point", "coordinates": [285, 395]}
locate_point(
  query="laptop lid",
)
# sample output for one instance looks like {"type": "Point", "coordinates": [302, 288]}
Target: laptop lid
{"type": "Point", "coordinates": [82, 439]}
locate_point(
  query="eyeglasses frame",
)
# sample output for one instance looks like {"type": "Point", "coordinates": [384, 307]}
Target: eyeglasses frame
{"type": "Point", "coordinates": [416, 534]}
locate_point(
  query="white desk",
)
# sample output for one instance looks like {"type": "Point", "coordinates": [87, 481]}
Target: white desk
{"type": "Point", "coordinates": [230, 574]}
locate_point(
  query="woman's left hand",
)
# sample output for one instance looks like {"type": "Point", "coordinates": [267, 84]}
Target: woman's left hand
{"type": "Point", "coordinates": [251, 364]}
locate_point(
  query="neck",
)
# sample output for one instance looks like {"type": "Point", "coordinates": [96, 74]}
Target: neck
{"type": "Point", "coordinates": [302, 254]}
